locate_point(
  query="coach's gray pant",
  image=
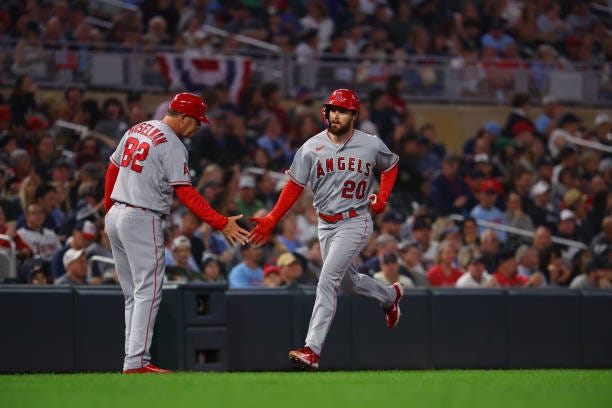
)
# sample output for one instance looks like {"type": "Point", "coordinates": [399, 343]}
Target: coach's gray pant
{"type": "Point", "coordinates": [137, 241]}
{"type": "Point", "coordinates": [341, 243]}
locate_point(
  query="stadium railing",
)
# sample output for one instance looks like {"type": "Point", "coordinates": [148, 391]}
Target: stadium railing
{"type": "Point", "coordinates": [428, 78]}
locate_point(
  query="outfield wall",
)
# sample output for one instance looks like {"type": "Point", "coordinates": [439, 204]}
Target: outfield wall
{"type": "Point", "coordinates": [206, 328]}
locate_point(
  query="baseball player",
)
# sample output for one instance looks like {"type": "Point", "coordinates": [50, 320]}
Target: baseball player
{"type": "Point", "coordinates": [149, 164]}
{"type": "Point", "coordinates": [339, 164]}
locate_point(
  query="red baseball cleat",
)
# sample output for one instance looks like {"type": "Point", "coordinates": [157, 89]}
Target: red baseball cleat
{"type": "Point", "coordinates": [148, 369]}
{"type": "Point", "coordinates": [392, 313]}
{"type": "Point", "coordinates": [305, 357]}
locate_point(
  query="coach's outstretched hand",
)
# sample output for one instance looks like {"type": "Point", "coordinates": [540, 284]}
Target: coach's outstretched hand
{"type": "Point", "coordinates": [234, 233]}
{"type": "Point", "coordinates": [259, 235]}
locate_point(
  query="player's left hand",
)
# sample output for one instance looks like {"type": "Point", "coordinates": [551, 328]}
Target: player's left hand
{"type": "Point", "coordinates": [378, 203]}
{"type": "Point", "coordinates": [259, 235]}
{"type": "Point", "coordinates": [234, 233]}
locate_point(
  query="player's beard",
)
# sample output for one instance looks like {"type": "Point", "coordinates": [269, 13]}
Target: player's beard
{"type": "Point", "coordinates": [339, 129]}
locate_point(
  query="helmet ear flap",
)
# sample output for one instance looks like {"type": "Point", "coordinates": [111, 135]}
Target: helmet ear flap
{"type": "Point", "coordinates": [325, 115]}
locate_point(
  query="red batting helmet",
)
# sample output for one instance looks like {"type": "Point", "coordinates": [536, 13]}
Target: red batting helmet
{"type": "Point", "coordinates": [344, 98]}
{"type": "Point", "coordinates": [189, 104]}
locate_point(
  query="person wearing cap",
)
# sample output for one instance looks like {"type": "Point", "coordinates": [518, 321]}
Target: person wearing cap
{"type": "Point", "coordinates": [390, 272]}
{"type": "Point", "coordinates": [181, 252]}
{"type": "Point", "coordinates": [290, 268]}
{"type": "Point", "coordinates": [149, 165]}
{"type": "Point", "coordinates": [443, 273]}
{"type": "Point", "coordinates": [248, 273]}
{"type": "Point", "coordinates": [486, 209]}
{"type": "Point", "coordinates": [507, 275]}
{"type": "Point", "coordinates": [272, 277]}
{"type": "Point", "coordinates": [75, 263]}
{"type": "Point", "coordinates": [246, 201]}
{"type": "Point", "coordinates": [476, 276]}
{"type": "Point", "coordinates": [603, 129]}
{"type": "Point", "coordinates": [566, 226]}
{"type": "Point", "coordinates": [448, 192]}
{"type": "Point", "coordinates": [212, 270]}
{"type": "Point", "coordinates": [391, 224]}
{"type": "Point", "coordinates": [542, 211]}
{"type": "Point", "coordinates": [385, 243]}
{"type": "Point", "coordinates": [546, 121]}
{"type": "Point", "coordinates": [83, 233]}
{"type": "Point", "coordinates": [421, 233]}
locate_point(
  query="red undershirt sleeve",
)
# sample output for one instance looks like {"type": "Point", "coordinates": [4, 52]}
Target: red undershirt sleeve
{"type": "Point", "coordinates": [291, 192]}
{"type": "Point", "coordinates": [387, 181]}
{"type": "Point", "coordinates": [111, 177]}
{"type": "Point", "coordinates": [198, 205]}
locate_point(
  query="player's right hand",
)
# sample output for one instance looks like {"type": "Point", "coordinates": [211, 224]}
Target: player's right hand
{"type": "Point", "coordinates": [378, 203]}
{"type": "Point", "coordinates": [259, 235]}
{"type": "Point", "coordinates": [234, 233]}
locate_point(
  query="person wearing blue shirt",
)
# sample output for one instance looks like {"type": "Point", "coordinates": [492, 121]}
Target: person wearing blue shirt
{"type": "Point", "coordinates": [486, 209]}
{"type": "Point", "coordinates": [248, 273]}
{"type": "Point", "coordinates": [496, 37]}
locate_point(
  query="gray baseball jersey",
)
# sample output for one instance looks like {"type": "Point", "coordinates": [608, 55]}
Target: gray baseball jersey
{"type": "Point", "coordinates": [151, 160]}
{"type": "Point", "coordinates": [341, 178]}
{"type": "Point", "coordinates": [341, 175]}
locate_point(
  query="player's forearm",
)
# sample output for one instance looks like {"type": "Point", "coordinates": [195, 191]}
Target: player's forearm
{"type": "Point", "coordinates": [387, 181]}
{"type": "Point", "coordinates": [111, 177]}
{"type": "Point", "coordinates": [196, 203]}
{"type": "Point", "coordinates": [291, 192]}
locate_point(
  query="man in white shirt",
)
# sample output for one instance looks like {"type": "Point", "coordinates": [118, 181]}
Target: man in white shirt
{"type": "Point", "coordinates": [476, 276]}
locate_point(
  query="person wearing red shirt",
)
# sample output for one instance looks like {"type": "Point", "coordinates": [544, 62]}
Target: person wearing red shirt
{"type": "Point", "coordinates": [507, 272]}
{"type": "Point", "coordinates": [443, 273]}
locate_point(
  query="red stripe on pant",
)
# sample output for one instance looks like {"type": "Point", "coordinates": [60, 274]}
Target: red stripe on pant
{"type": "Point", "coordinates": [154, 292]}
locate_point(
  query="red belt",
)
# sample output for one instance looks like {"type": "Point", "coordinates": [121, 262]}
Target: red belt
{"type": "Point", "coordinates": [337, 217]}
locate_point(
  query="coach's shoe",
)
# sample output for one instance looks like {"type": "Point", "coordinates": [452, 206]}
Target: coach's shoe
{"type": "Point", "coordinates": [305, 357]}
{"type": "Point", "coordinates": [148, 369]}
{"type": "Point", "coordinates": [392, 313]}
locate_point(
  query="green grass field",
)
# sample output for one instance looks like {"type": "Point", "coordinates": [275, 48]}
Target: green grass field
{"type": "Point", "coordinates": [453, 388]}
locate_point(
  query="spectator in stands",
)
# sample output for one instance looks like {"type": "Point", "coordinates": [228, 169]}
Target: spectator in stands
{"type": "Point", "coordinates": [37, 277]}
{"type": "Point", "coordinates": [547, 121]}
{"type": "Point", "coordinates": [212, 270]}
{"type": "Point", "coordinates": [486, 209]}
{"type": "Point", "coordinates": [316, 18]}
{"type": "Point", "coordinates": [528, 263]}
{"type": "Point", "coordinates": [29, 54]}
{"type": "Point", "coordinates": [75, 263]}
{"type": "Point", "coordinates": [21, 164]}
{"type": "Point", "coordinates": [101, 247]}
{"type": "Point", "coordinates": [516, 217]}
{"type": "Point", "coordinates": [73, 98]}
{"type": "Point", "coordinates": [35, 243]}
{"type": "Point", "coordinates": [595, 275]}
{"type": "Point", "coordinates": [496, 37]}
{"type": "Point", "coordinates": [601, 245]}
{"type": "Point", "coordinates": [246, 201]}
{"type": "Point", "coordinates": [190, 225]}
{"type": "Point", "coordinates": [23, 100]}
{"type": "Point", "coordinates": [557, 270]}
{"type": "Point", "coordinates": [385, 244]}
{"type": "Point", "coordinates": [181, 252]}
{"type": "Point", "coordinates": [391, 223]}
{"type": "Point", "coordinates": [288, 232]}
{"type": "Point", "coordinates": [603, 129]}
{"type": "Point", "coordinates": [476, 276]}
{"type": "Point", "coordinates": [248, 273]}
{"type": "Point", "coordinates": [410, 258]}
{"type": "Point", "coordinates": [83, 233]}
{"type": "Point", "coordinates": [521, 104]}
{"type": "Point", "coordinates": [551, 26]}
{"type": "Point", "coordinates": [443, 273]}
{"type": "Point", "coordinates": [542, 212]}
{"type": "Point", "coordinates": [449, 193]}
{"type": "Point", "coordinates": [275, 143]}
{"type": "Point", "coordinates": [272, 277]}
{"type": "Point", "coordinates": [389, 273]}
{"type": "Point", "coordinates": [290, 269]}
{"type": "Point", "coordinates": [7, 227]}
{"type": "Point", "coordinates": [421, 233]}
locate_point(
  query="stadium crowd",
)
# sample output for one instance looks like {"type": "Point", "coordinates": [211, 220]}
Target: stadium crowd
{"type": "Point", "coordinates": [526, 173]}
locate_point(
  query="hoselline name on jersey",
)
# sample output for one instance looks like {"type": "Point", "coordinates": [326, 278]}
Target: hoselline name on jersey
{"type": "Point", "coordinates": [149, 131]}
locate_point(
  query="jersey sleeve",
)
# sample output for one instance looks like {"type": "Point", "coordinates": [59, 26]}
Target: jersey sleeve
{"type": "Point", "coordinates": [174, 163]}
{"type": "Point", "coordinates": [115, 158]}
{"type": "Point", "coordinates": [299, 171]}
{"type": "Point", "coordinates": [385, 158]}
